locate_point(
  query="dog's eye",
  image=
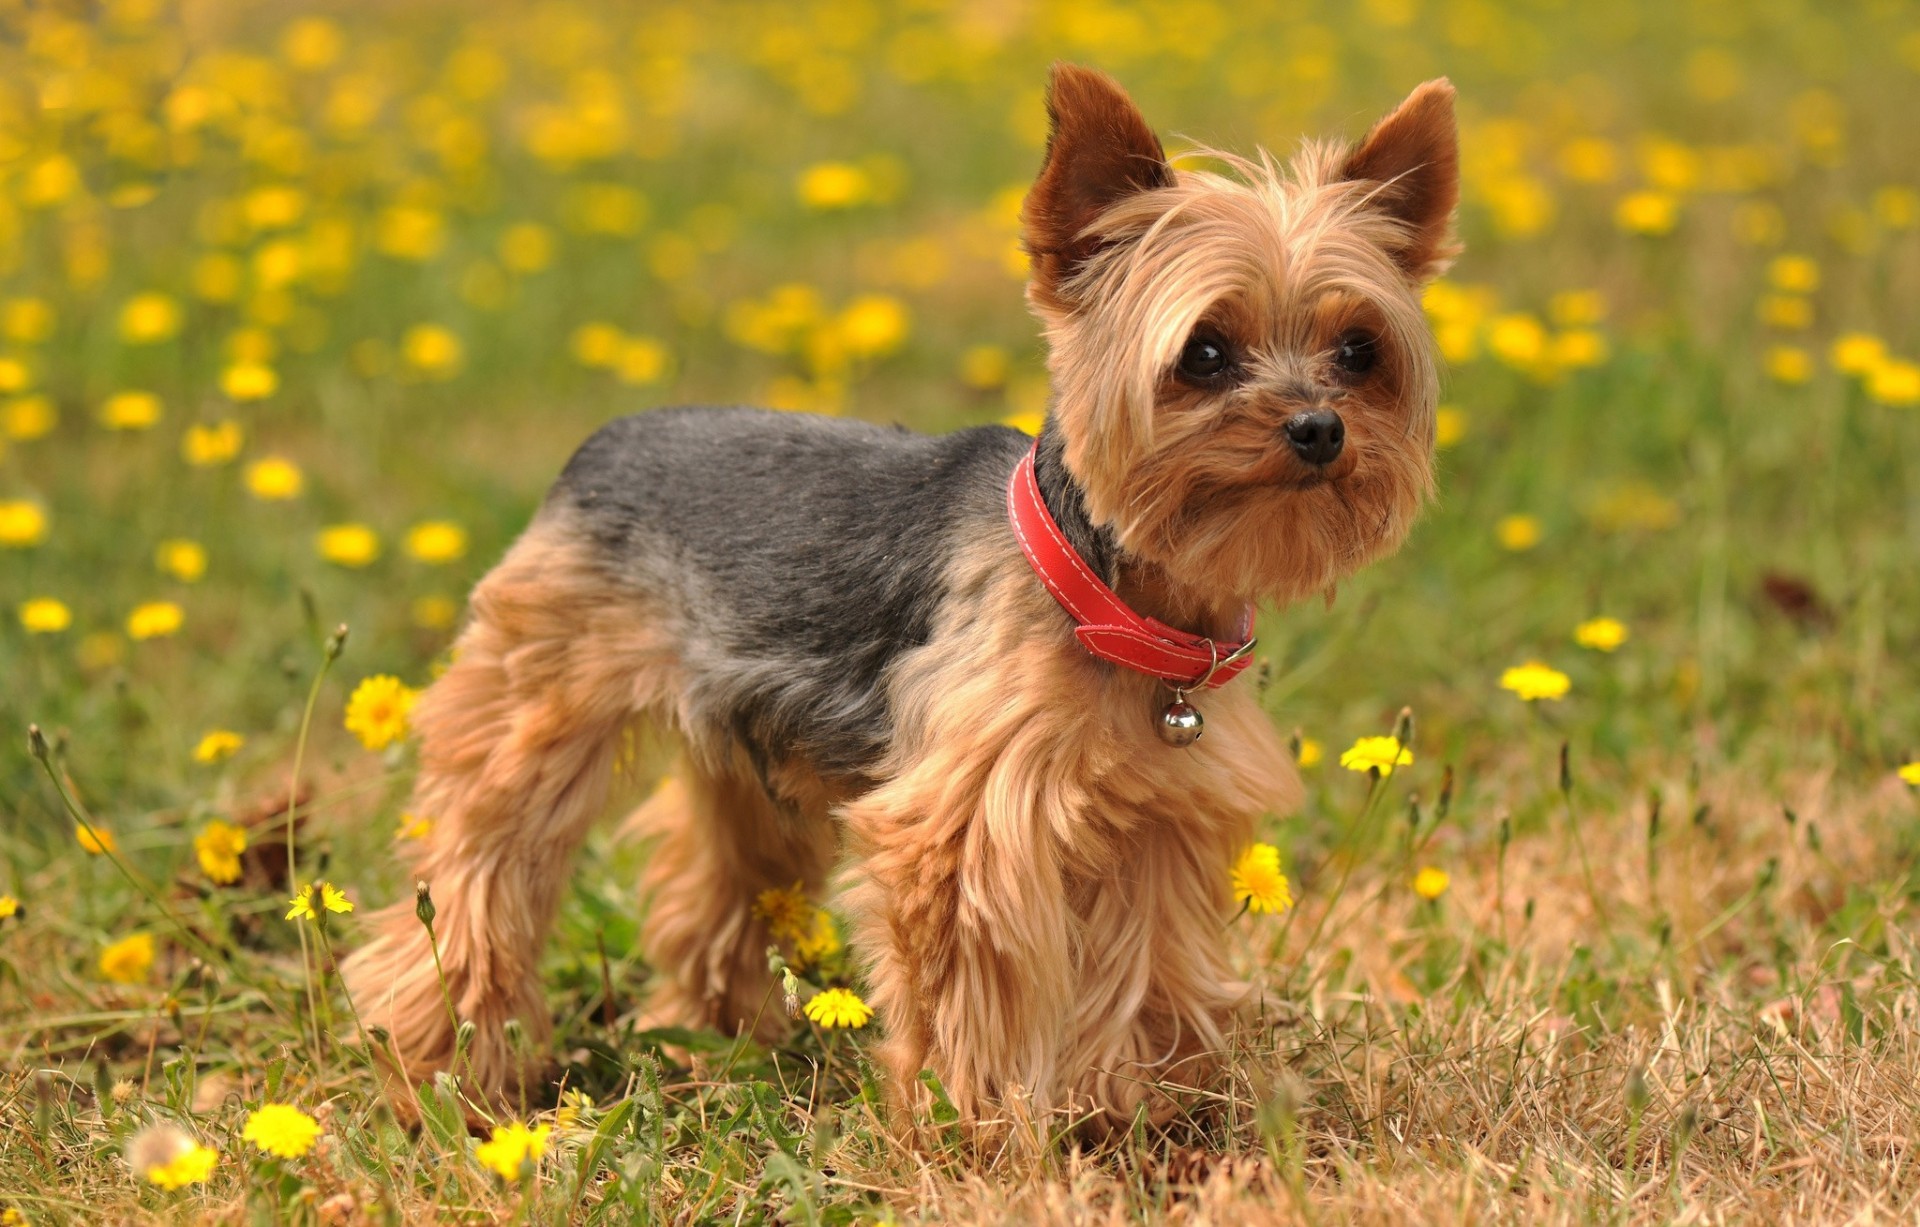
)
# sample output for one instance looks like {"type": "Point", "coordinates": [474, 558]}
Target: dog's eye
{"type": "Point", "coordinates": [1356, 353]}
{"type": "Point", "coordinates": [1204, 357]}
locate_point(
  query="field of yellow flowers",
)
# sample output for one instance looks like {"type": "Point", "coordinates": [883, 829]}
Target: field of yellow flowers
{"type": "Point", "coordinates": [1601, 906]}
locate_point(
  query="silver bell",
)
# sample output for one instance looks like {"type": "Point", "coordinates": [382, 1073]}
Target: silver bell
{"type": "Point", "coordinates": [1180, 723]}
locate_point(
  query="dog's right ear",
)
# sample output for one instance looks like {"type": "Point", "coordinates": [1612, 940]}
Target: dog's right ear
{"type": "Point", "coordinates": [1099, 149]}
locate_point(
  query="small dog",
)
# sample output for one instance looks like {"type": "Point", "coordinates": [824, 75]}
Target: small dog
{"type": "Point", "coordinates": [944, 663]}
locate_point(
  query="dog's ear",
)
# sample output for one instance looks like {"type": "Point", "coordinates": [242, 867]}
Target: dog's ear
{"type": "Point", "coordinates": [1414, 155]}
{"type": "Point", "coordinates": [1099, 149]}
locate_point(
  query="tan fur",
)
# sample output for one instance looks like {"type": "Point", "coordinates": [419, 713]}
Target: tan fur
{"type": "Point", "coordinates": [1037, 885]}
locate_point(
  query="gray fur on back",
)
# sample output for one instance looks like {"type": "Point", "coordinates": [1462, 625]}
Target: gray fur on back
{"type": "Point", "coordinates": [800, 554]}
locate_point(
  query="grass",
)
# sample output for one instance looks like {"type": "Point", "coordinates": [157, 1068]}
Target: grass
{"type": "Point", "coordinates": [1670, 977]}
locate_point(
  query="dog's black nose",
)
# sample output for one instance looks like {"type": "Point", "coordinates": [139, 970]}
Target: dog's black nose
{"type": "Point", "coordinates": [1318, 436]}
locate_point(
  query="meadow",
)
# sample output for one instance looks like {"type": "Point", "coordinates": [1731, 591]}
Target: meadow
{"type": "Point", "coordinates": [301, 310]}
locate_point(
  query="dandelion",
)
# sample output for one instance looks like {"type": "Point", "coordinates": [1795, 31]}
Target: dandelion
{"type": "Point", "coordinates": [331, 899]}
{"type": "Point", "coordinates": [9, 908]}
{"type": "Point", "coordinates": [985, 367]}
{"type": "Point", "coordinates": [27, 320]}
{"type": "Point", "coordinates": [432, 351]}
{"type": "Point", "coordinates": [128, 960]}
{"type": "Point", "coordinates": [218, 847]}
{"type": "Point", "coordinates": [526, 247]}
{"type": "Point", "coordinates": [1431, 883]}
{"type": "Point", "coordinates": [1649, 213]}
{"type": "Point", "coordinates": [1380, 754]}
{"type": "Point", "coordinates": [27, 418]}
{"type": "Point", "coordinates": [1910, 772]}
{"type": "Point", "coordinates": [147, 319]}
{"type": "Point", "coordinates": [1258, 882]}
{"type": "Point", "coordinates": [838, 1007]}
{"type": "Point", "coordinates": [1894, 382]}
{"type": "Point", "coordinates": [642, 360]}
{"type": "Point", "coordinates": [1857, 353]}
{"type": "Point", "coordinates": [347, 545]}
{"type": "Point", "coordinates": [436, 541]}
{"type": "Point", "coordinates": [1449, 426]}
{"type": "Point", "coordinates": [166, 1156]}
{"type": "Point", "coordinates": [1517, 533]}
{"type": "Point", "coordinates": [246, 381]}
{"type": "Point", "coordinates": [44, 615]}
{"type": "Point", "coordinates": [274, 479]}
{"type": "Point", "coordinates": [1600, 634]}
{"type": "Point", "coordinates": [14, 375]}
{"type": "Point", "coordinates": [434, 613]}
{"type": "Point", "coordinates": [95, 840]}
{"type": "Point", "coordinates": [513, 1150]}
{"type": "Point", "coordinates": [22, 524]}
{"type": "Point", "coordinates": [130, 411]}
{"type": "Point", "coordinates": [833, 185]}
{"type": "Point", "coordinates": [412, 826]}
{"type": "Point", "coordinates": [1026, 423]}
{"type": "Point", "coordinates": [1535, 680]}
{"type": "Point", "coordinates": [155, 620]}
{"type": "Point", "coordinates": [596, 344]}
{"type": "Point", "coordinates": [211, 443]}
{"type": "Point", "coordinates": [281, 1130]}
{"type": "Point", "coordinates": [1310, 753]}
{"type": "Point", "coordinates": [1789, 364]}
{"type": "Point", "coordinates": [1793, 274]}
{"type": "Point", "coordinates": [377, 710]}
{"type": "Point", "coordinates": [181, 558]}
{"type": "Point", "coordinates": [873, 324]}
{"type": "Point", "coordinates": [217, 745]}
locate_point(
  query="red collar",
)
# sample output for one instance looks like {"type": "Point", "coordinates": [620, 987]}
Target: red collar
{"type": "Point", "coordinates": [1107, 627]}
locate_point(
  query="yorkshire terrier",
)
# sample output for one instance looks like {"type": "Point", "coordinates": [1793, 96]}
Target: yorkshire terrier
{"type": "Point", "coordinates": [970, 671]}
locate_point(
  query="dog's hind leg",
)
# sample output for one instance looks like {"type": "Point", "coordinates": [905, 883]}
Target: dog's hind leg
{"type": "Point", "coordinates": [517, 746]}
{"type": "Point", "coordinates": [718, 841]}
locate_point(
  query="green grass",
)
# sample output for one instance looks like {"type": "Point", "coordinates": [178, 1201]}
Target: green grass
{"type": "Point", "coordinates": [1713, 1019]}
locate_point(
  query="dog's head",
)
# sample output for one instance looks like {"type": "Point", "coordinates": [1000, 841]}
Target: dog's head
{"type": "Point", "coordinates": [1242, 374]}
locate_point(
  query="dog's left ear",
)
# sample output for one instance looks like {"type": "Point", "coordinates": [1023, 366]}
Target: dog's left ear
{"type": "Point", "coordinates": [1099, 150]}
{"type": "Point", "coordinates": [1414, 154]}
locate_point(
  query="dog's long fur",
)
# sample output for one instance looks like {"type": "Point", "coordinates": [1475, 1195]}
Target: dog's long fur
{"type": "Point", "coordinates": [837, 624]}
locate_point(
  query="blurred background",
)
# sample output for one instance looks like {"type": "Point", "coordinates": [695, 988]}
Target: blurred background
{"type": "Point", "coordinates": [317, 299]}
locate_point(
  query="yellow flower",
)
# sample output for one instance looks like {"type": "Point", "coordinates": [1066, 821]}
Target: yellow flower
{"type": "Point", "coordinates": [1449, 426]}
{"type": "Point", "coordinates": [839, 1007]}
{"type": "Point", "coordinates": [218, 745]}
{"type": "Point", "coordinates": [347, 545]}
{"type": "Point", "coordinates": [1795, 274]}
{"type": "Point", "coordinates": [513, 1150]}
{"type": "Point", "coordinates": [1311, 752]}
{"type": "Point", "coordinates": [786, 911]}
{"type": "Point", "coordinates": [149, 318]}
{"type": "Point", "coordinates": [218, 847]}
{"type": "Point", "coordinates": [596, 344]}
{"type": "Point", "coordinates": [1910, 772]}
{"type": "Point", "coordinates": [821, 941]}
{"type": "Point", "coordinates": [211, 443]}
{"type": "Point", "coordinates": [185, 560]}
{"type": "Point", "coordinates": [1517, 532]}
{"type": "Point", "coordinates": [128, 960]}
{"type": "Point", "coordinates": [332, 899]}
{"type": "Point", "coordinates": [413, 827]}
{"type": "Point", "coordinates": [14, 375]}
{"type": "Point", "coordinates": [44, 615]}
{"type": "Point", "coordinates": [1650, 213]}
{"type": "Point", "coordinates": [1258, 882]}
{"type": "Point", "coordinates": [29, 417]}
{"type": "Point", "coordinates": [311, 44]}
{"type": "Point", "coordinates": [436, 541]}
{"type": "Point", "coordinates": [95, 840]}
{"type": "Point", "coordinates": [1517, 339]}
{"type": "Point", "coordinates": [1600, 634]}
{"type": "Point", "coordinates": [433, 351]}
{"type": "Point", "coordinates": [642, 360]}
{"type": "Point", "coordinates": [1380, 754]}
{"type": "Point", "coordinates": [281, 1130]}
{"type": "Point", "coordinates": [1534, 680]}
{"type": "Point", "coordinates": [9, 907]}
{"type": "Point", "coordinates": [873, 324]}
{"type": "Point", "coordinates": [1431, 883]}
{"type": "Point", "coordinates": [27, 320]}
{"type": "Point", "coordinates": [526, 247]}
{"type": "Point", "coordinates": [165, 1156]}
{"type": "Point", "coordinates": [1894, 382]}
{"type": "Point", "coordinates": [832, 185]}
{"type": "Point", "coordinates": [154, 620]}
{"type": "Point", "coordinates": [1858, 353]}
{"type": "Point", "coordinates": [377, 710]}
{"type": "Point", "coordinates": [1789, 364]}
{"type": "Point", "coordinates": [985, 367]}
{"type": "Point", "coordinates": [274, 478]}
{"type": "Point", "coordinates": [1786, 311]}
{"type": "Point", "coordinates": [130, 411]}
{"type": "Point", "coordinates": [22, 524]}
{"type": "Point", "coordinates": [249, 381]}
{"type": "Point", "coordinates": [434, 613]}
{"type": "Point", "coordinates": [1025, 423]}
